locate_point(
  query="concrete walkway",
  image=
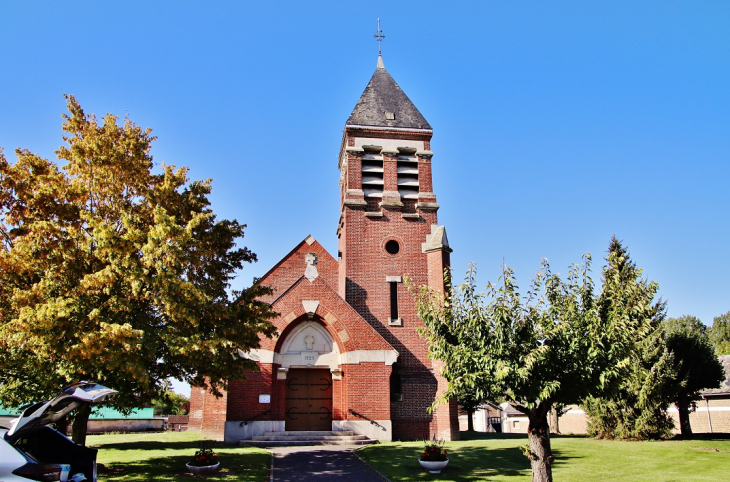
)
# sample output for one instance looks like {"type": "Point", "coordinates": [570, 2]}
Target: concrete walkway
{"type": "Point", "coordinates": [320, 463]}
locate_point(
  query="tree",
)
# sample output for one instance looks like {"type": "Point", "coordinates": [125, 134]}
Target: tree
{"type": "Point", "coordinates": [556, 345]}
{"type": "Point", "coordinates": [469, 403]}
{"type": "Point", "coordinates": [636, 408]}
{"type": "Point", "coordinates": [116, 274]}
{"type": "Point", "coordinates": [695, 363]}
{"type": "Point", "coordinates": [557, 411]}
{"type": "Point", "coordinates": [720, 334]}
{"type": "Point", "coordinates": [170, 403]}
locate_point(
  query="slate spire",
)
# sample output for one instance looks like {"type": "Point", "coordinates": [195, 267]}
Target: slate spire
{"type": "Point", "coordinates": [384, 104]}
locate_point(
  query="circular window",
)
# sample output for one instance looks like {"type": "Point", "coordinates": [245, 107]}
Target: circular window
{"type": "Point", "coordinates": [392, 246]}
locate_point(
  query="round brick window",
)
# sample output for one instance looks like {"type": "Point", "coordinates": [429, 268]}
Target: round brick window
{"type": "Point", "coordinates": [392, 246]}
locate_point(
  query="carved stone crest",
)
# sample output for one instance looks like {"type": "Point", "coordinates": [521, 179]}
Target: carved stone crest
{"type": "Point", "coordinates": [311, 270]}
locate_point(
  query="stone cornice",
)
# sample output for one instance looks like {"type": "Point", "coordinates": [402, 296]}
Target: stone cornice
{"type": "Point", "coordinates": [427, 206]}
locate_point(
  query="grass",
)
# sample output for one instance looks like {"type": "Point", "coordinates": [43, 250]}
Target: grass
{"type": "Point", "coordinates": [162, 456]}
{"type": "Point", "coordinates": [495, 457]}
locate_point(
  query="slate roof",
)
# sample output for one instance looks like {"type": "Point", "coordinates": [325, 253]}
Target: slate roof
{"type": "Point", "coordinates": [725, 385]}
{"type": "Point", "coordinates": [384, 95]}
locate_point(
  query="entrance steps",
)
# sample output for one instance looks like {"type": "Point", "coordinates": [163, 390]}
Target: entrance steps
{"type": "Point", "coordinates": [298, 438]}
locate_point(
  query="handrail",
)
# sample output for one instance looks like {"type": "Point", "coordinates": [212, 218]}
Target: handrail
{"type": "Point", "coordinates": [245, 422]}
{"type": "Point", "coordinates": [368, 419]}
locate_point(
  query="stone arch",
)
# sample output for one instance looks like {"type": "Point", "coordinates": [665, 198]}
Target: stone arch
{"type": "Point", "coordinates": [308, 344]}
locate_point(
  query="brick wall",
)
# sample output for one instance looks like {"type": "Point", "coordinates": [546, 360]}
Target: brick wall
{"type": "Point", "coordinates": [207, 413]}
{"type": "Point", "coordinates": [364, 267]}
{"type": "Point", "coordinates": [243, 401]}
{"type": "Point", "coordinates": [368, 391]}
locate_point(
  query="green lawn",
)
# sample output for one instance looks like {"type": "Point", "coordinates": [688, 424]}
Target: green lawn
{"type": "Point", "coordinates": [162, 456]}
{"type": "Point", "coordinates": [578, 459]}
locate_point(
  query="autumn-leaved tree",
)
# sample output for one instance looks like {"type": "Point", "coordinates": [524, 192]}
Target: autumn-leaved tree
{"type": "Point", "coordinates": [117, 274]}
{"type": "Point", "coordinates": [554, 346]}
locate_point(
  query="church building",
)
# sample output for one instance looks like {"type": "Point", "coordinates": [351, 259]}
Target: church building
{"type": "Point", "coordinates": [348, 356]}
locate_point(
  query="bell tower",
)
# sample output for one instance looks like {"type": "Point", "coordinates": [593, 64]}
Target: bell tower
{"type": "Point", "coordinates": [388, 230]}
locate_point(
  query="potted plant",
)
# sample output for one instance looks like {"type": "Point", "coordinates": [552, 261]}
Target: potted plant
{"type": "Point", "coordinates": [204, 462]}
{"type": "Point", "coordinates": [434, 457]}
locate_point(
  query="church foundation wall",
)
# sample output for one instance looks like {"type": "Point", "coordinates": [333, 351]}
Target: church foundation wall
{"type": "Point", "coordinates": [381, 430]}
{"type": "Point", "coordinates": [237, 430]}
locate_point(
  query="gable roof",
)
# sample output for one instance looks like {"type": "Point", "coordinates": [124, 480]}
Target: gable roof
{"type": "Point", "coordinates": [291, 268]}
{"type": "Point", "coordinates": [344, 319]}
{"type": "Point", "coordinates": [382, 95]}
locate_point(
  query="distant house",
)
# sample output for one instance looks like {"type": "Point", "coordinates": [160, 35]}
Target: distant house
{"type": "Point", "coordinates": [486, 418]}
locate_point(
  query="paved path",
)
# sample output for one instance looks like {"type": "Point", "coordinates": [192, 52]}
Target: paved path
{"type": "Point", "coordinates": [321, 463]}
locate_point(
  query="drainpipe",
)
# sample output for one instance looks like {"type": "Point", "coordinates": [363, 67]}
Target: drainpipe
{"type": "Point", "coordinates": [709, 419]}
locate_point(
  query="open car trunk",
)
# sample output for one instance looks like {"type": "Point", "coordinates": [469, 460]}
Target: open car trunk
{"type": "Point", "coordinates": [43, 444]}
{"type": "Point", "coordinates": [52, 447]}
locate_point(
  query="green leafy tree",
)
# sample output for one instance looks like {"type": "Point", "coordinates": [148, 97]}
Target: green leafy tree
{"type": "Point", "coordinates": [117, 274]}
{"type": "Point", "coordinates": [695, 363]}
{"type": "Point", "coordinates": [469, 403]}
{"type": "Point", "coordinates": [554, 346]}
{"type": "Point", "coordinates": [636, 407]}
{"type": "Point", "coordinates": [170, 403]}
{"type": "Point", "coordinates": [720, 334]}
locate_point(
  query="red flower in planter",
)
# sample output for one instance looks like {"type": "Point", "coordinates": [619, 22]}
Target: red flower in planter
{"type": "Point", "coordinates": [434, 451]}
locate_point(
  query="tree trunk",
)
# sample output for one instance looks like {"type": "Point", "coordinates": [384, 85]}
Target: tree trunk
{"type": "Point", "coordinates": [78, 429]}
{"type": "Point", "coordinates": [541, 455]}
{"type": "Point", "coordinates": [470, 419]}
{"type": "Point", "coordinates": [683, 408]}
{"type": "Point", "coordinates": [554, 421]}
{"type": "Point", "coordinates": [62, 425]}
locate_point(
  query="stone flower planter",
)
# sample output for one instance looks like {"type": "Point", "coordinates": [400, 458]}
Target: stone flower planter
{"type": "Point", "coordinates": [204, 470]}
{"type": "Point", "coordinates": [434, 466]}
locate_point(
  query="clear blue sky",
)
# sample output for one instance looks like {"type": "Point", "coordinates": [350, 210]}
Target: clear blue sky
{"type": "Point", "coordinates": [556, 124]}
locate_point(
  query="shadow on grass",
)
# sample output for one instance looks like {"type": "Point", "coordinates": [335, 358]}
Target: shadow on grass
{"type": "Point", "coordinates": [466, 463]}
{"type": "Point", "coordinates": [243, 466]}
{"type": "Point", "coordinates": [158, 445]}
{"type": "Point", "coordinates": [510, 436]}
{"type": "Point", "coordinates": [703, 436]}
{"type": "Point", "coordinates": [477, 461]}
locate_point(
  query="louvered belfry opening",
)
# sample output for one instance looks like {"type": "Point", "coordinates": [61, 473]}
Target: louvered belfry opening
{"type": "Point", "coordinates": [372, 171]}
{"type": "Point", "coordinates": [407, 173]}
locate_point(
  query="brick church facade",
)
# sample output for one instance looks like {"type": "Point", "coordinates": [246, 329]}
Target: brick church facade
{"type": "Point", "coordinates": [348, 355]}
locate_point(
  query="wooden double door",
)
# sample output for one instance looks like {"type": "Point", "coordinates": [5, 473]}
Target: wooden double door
{"type": "Point", "coordinates": [308, 399]}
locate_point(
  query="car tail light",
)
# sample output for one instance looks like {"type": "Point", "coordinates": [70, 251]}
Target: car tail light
{"type": "Point", "coordinates": [39, 471]}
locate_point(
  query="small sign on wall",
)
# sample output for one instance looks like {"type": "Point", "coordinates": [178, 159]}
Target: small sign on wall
{"type": "Point", "coordinates": [264, 398]}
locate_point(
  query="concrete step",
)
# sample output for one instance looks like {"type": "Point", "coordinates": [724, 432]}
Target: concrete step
{"type": "Point", "coordinates": [311, 433]}
{"type": "Point", "coordinates": [309, 437]}
{"type": "Point", "coordinates": [301, 438]}
{"type": "Point", "coordinates": [299, 443]}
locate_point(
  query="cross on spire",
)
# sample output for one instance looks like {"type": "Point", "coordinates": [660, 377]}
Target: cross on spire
{"type": "Point", "coordinates": [379, 37]}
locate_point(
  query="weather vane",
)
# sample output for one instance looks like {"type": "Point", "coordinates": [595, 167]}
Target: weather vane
{"type": "Point", "coordinates": [379, 37]}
